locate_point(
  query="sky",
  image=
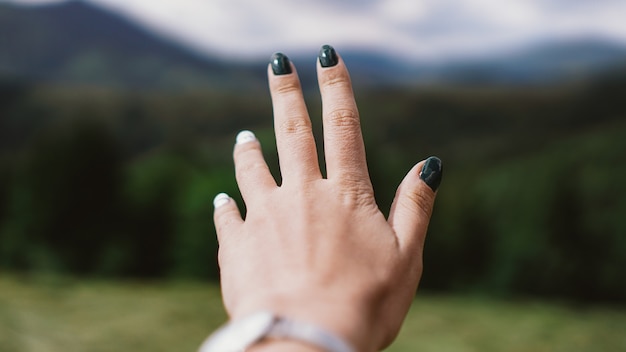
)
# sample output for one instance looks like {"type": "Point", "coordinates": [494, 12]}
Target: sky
{"type": "Point", "coordinates": [409, 29]}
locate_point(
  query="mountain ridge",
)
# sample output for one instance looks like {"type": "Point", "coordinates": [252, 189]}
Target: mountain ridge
{"type": "Point", "coordinates": [77, 42]}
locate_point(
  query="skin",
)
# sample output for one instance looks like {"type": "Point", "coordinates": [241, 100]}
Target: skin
{"type": "Point", "coordinates": [319, 249]}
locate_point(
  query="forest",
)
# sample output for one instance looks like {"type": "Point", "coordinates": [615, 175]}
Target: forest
{"type": "Point", "coordinates": [109, 183]}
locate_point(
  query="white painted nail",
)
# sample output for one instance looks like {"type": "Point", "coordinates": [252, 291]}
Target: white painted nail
{"type": "Point", "coordinates": [245, 136]}
{"type": "Point", "coordinates": [220, 200]}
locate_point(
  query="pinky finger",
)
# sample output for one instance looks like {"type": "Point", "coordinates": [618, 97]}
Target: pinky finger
{"type": "Point", "coordinates": [226, 215]}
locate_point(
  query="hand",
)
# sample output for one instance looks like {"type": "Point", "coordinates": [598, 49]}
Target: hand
{"type": "Point", "coordinates": [318, 249]}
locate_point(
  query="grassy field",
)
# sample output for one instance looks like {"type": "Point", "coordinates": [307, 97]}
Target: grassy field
{"type": "Point", "coordinates": [54, 315]}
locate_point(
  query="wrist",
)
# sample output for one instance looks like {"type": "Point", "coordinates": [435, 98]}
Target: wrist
{"type": "Point", "coordinates": [275, 331]}
{"type": "Point", "coordinates": [351, 321]}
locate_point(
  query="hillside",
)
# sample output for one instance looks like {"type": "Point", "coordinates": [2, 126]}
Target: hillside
{"type": "Point", "coordinates": [78, 43]}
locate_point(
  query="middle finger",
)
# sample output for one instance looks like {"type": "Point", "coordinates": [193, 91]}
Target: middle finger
{"type": "Point", "coordinates": [343, 142]}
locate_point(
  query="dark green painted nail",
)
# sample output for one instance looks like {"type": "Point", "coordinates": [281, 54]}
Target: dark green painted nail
{"type": "Point", "coordinates": [432, 172]}
{"type": "Point", "coordinates": [280, 64]}
{"type": "Point", "coordinates": [328, 56]}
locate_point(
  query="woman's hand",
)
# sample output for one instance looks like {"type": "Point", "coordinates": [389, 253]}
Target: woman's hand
{"type": "Point", "coordinates": [318, 249]}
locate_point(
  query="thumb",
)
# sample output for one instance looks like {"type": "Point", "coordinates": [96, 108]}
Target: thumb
{"type": "Point", "coordinates": [413, 205]}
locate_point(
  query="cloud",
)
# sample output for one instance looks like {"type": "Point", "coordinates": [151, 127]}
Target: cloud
{"type": "Point", "coordinates": [415, 29]}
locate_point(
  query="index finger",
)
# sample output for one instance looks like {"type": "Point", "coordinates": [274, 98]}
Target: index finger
{"type": "Point", "coordinates": [343, 143]}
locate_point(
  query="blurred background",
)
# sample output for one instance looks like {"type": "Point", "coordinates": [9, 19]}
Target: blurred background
{"type": "Point", "coordinates": [117, 120]}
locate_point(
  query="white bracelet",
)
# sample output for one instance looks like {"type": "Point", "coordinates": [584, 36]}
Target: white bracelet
{"type": "Point", "coordinates": [238, 335]}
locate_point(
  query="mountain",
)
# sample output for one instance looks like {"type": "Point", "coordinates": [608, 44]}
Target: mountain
{"type": "Point", "coordinates": [76, 42]}
{"type": "Point", "coordinates": [548, 62]}
{"type": "Point", "coordinates": [80, 43]}
{"type": "Point", "coordinates": [543, 63]}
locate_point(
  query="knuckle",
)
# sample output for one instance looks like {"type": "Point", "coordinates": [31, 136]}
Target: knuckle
{"type": "Point", "coordinates": [224, 219]}
{"type": "Point", "coordinates": [288, 87]}
{"type": "Point", "coordinates": [344, 118]}
{"type": "Point", "coordinates": [244, 168]}
{"type": "Point", "coordinates": [250, 167]}
{"type": "Point", "coordinates": [248, 160]}
{"type": "Point", "coordinates": [246, 154]}
{"type": "Point", "coordinates": [336, 78]}
{"type": "Point", "coordinates": [356, 191]}
{"type": "Point", "coordinates": [420, 201]}
{"type": "Point", "coordinates": [295, 125]}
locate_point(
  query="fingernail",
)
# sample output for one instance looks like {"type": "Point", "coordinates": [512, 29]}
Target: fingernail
{"type": "Point", "coordinates": [280, 64]}
{"type": "Point", "coordinates": [431, 172]}
{"type": "Point", "coordinates": [220, 200]}
{"type": "Point", "coordinates": [328, 56]}
{"type": "Point", "coordinates": [245, 136]}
